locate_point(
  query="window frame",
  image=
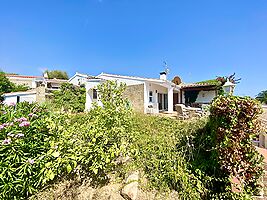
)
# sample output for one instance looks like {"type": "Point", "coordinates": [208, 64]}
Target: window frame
{"type": "Point", "coordinates": [94, 94]}
{"type": "Point", "coordinates": [150, 97]}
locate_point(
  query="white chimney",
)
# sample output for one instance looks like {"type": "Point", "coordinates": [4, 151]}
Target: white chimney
{"type": "Point", "coordinates": [163, 76]}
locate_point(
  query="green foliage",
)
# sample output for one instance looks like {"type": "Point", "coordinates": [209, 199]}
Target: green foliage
{"type": "Point", "coordinates": [58, 74]}
{"type": "Point", "coordinates": [235, 124]}
{"type": "Point", "coordinates": [190, 96]}
{"type": "Point", "coordinates": [24, 142]}
{"type": "Point", "coordinates": [19, 88]}
{"type": "Point", "coordinates": [69, 98]}
{"type": "Point", "coordinates": [7, 86]}
{"type": "Point", "coordinates": [262, 96]}
{"type": "Point", "coordinates": [161, 147]}
{"type": "Point", "coordinates": [216, 82]}
{"type": "Point", "coordinates": [90, 143]}
{"type": "Point", "coordinates": [196, 158]}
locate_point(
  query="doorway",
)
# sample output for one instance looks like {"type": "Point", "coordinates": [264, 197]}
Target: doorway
{"type": "Point", "coordinates": [163, 102]}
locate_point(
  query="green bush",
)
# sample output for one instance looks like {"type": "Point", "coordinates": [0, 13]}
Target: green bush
{"type": "Point", "coordinates": [235, 123]}
{"type": "Point", "coordinates": [69, 98]}
{"type": "Point", "coordinates": [90, 143]}
{"type": "Point", "coordinates": [161, 147]}
{"type": "Point", "coordinates": [24, 140]}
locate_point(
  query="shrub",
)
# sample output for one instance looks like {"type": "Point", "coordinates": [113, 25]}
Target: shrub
{"type": "Point", "coordinates": [90, 143]}
{"type": "Point", "coordinates": [70, 98]}
{"type": "Point", "coordinates": [7, 86]}
{"type": "Point", "coordinates": [24, 141]}
{"type": "Point", "coordinates": [162, 147]}
{"type": "Point", "coordinates": [235, 123]}
{"type": "Point", "coordinates": [58, 74]}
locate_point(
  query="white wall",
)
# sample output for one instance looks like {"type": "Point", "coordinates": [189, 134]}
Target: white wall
{"type": "Point", "coordinates": [78, 79]}
{"type": "Point", "coordinates": [206, 96]}
{"type": "Point", "coordinates": [147, 87]}
{"type": "Point", "coordinates": [89, 86]}
{"type": "Point", "coordinates": [123, 80]}
{"type": "Point", "coordinates": [155, 89]}
{"type": "Point", "coordinates": [23, 97]}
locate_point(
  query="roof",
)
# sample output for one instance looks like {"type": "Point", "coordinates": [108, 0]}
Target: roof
{"type": "Point", "coordinates": [82, 75]}
{"type": "Point", "coordinates": [56, 80]}
{"type": "Point", "coordinates": [196, 85]}
{"type": "Point", "coordinates": [33, 91]}
{"type": "Point", "coordinates": [135, 78]}
{"type": "Point", "coordinates": [21, 76]}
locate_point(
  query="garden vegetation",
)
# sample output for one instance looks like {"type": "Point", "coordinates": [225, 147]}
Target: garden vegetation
{"type": "Point", "coordinates": [39, 146]}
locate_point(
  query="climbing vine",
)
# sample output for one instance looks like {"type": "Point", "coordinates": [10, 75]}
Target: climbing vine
{"type": "Point", "coordinates": [190, 96]}
{"type": "Point", "coordinates": [235, 121]}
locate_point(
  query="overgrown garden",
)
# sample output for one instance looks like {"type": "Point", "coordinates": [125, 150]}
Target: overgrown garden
{"type": "Point", "coordinates": [197, 158]}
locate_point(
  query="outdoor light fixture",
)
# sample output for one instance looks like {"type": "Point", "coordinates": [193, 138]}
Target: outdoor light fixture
{"type": "Point", "coordinates": [228, 88]}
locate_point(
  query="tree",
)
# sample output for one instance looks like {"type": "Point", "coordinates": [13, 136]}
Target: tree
{"type": "Point", "coordinates": [7, 86]}
{"type": "Point", "coordinates": [262, 96]}
{"type": "Point", "coordinates": [58, 74]}
{"type": "Point", "coordinates": [70, 98]}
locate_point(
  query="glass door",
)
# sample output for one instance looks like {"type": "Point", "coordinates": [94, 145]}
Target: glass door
{"type": "Point", "coordinates": [160, 101]}
{"type": "Point", "coordinates": [165, 101]}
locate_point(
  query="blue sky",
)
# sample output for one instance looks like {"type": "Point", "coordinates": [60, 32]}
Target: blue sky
{"type": "Point", "coordinates": [199, 39]}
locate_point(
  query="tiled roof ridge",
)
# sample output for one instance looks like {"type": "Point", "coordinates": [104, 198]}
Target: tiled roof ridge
{"type": "Point", "coordinates": [21, 76]}
{"type": "Point", "coordinates": [127, 76]}
{"type": "Point", "coordinates": [196, 84]}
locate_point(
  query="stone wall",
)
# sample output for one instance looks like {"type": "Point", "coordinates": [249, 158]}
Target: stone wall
{"type": "Point", "coordinates": [135, 94]}
{"type": "Point", "coordinates": [40, 94]}
{"type": "Point", "coordinates": [18, 81]}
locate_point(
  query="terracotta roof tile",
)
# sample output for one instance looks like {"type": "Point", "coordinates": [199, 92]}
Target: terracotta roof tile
{"type": "Point", "coordinates": [21, 76]}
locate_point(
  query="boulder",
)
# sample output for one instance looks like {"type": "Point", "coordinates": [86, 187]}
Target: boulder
{"type": "Point", "coordinates": [130, 190]}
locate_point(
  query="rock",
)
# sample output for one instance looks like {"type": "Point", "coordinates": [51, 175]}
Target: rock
{"type": "Point", "coordinates": [130, 190]}
{"type": "Point", "coordinates": [85, 193]}
{"type": "Point", "coordinates": [115, 196]}
{"type": "Point", "coordinates": [108, 192]}
{"type": "Point", "coordinates": [133, 177]}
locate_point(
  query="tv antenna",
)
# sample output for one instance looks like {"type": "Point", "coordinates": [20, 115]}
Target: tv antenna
{"type": "Point", "coordinates": [165, 65]}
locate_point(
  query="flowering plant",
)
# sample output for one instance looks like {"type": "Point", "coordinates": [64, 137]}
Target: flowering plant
{"type": "Point", "coordinates": [23, 141]}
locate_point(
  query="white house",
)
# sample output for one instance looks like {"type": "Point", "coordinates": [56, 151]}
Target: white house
{"type": "Point", "coordinates": [79, 79]}
{"type": "Point", "coordinates": [205, 92]}
{"type": "Point", "coordinates": [16, 97]}
{"type": "Point", "coordinates": [147, 95]}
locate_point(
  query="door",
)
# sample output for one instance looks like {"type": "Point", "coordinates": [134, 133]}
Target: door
{"type": "Point", "coordinates": [160, 102]}
{"type": "Point", "coordinates": [165, 101]}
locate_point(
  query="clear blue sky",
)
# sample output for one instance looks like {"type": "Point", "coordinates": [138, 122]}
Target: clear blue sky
{"type": "Point", "coordinates": [199, 39]}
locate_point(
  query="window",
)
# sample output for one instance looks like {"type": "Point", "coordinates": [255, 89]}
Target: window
{"type": "Point", "coordinates": [150, 96]}
{"type": "Point", "coordinates": [94, 94]}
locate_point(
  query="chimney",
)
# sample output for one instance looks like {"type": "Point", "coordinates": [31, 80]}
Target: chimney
{"type": "Point", "coordinates": [163, 76]}
{"type": "Point", "coordinates": [46, 75]}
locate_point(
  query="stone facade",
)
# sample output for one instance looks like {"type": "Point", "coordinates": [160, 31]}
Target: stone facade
{"type": "Point", "coordinates": [18, 81]}
{"type": "Point", "coordinates": [40, 94]}
{"type": "Point", "coordinates": [135, 94]}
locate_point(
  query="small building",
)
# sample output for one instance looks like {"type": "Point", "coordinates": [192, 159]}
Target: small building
{"type": "Point", "coordinates": [198, 93]}
{"type": "Point", "coordinates": [40, 88]}
{"type": "Point", "coordinates": [147, 95]}
{"type": "Point", "coordinates": [16, 97]}
{"type": "Point", "coordinates": [79, 79]}
{"type": "Point", "coordinates": [23, 79]}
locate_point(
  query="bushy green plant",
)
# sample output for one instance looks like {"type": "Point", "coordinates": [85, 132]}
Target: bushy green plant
{"type": "Point", "coordinates": [69, 98]}
{"type": "Point", "coordinates": [24, 141]}
{"type": "Point", "coordinates": [7, 86]}
{"type": "Point", "coordinates": [58, 74]}
{"type": "Point", "coordinates": [235, 124]}
{"type": "Point", "coordinates": [262, 96]}
{"type": "Point", "coordinates": [95, 139]}
{"type": "Point", "coordinates": [161, 147]}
